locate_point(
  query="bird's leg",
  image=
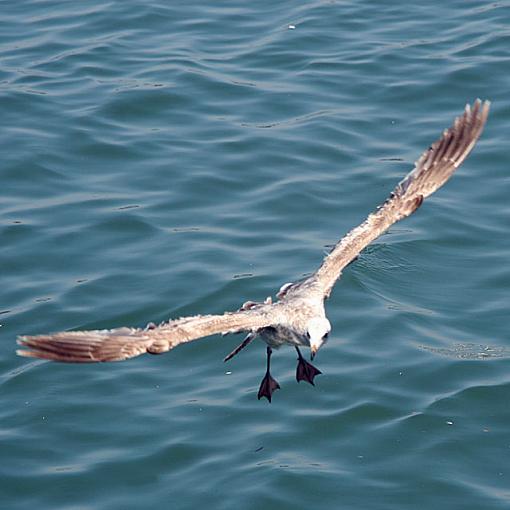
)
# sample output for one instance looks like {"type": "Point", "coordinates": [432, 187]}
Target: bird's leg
{"type": "Point", "coordinates": [268, 384]}
{"type": "Point", "coordinates": [305, 371]}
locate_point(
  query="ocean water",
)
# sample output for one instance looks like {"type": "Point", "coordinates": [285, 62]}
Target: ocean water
{"type": "Point", "coordinates": [161, 159]}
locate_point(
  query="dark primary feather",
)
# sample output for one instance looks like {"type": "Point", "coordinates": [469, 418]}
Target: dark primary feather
{"type": "Point", "coordinates": [436, 165]}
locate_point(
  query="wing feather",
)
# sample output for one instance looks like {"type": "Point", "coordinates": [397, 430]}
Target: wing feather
{"type": "Point", "coordinates": [431, 171]}
{"type": "Point", "coordinates": [123, 343]}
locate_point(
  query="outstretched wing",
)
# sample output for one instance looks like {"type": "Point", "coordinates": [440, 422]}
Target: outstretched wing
{"type": "Point", "coordinates": [431, 171]}
{"type": "Point", "coordinates": [123, 343]}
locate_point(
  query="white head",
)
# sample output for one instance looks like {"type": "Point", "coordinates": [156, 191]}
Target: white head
{"type": "Point", "coordinates": [318, 331]}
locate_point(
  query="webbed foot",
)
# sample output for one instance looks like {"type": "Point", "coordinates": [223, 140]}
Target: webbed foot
{"type": "Point", "coordinates": [305, 371]}
{"type": "Point", "coordinates": [267, 387]}
{"type": "Point", "coordinates": [268, 384]}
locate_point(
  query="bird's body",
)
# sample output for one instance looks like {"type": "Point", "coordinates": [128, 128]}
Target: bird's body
{"type": "Point", "coordinates": [298, 317]}
{"type": "Point", "coordinates": [284, 334]}
{"type": "Point", "coordinates": [293, 328]}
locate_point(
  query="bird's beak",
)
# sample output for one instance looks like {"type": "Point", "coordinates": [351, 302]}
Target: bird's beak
{"type": "Point", "coordinates": [313, 352]}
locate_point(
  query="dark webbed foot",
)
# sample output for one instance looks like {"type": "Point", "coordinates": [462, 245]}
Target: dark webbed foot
{"type": "Point", "coordinates": [305, 371]}
{"type": "Point", "coordinates": [268, 384]}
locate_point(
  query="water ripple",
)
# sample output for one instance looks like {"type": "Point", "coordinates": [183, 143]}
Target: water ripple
{"type": "Point", "coordinates": [161, 160]}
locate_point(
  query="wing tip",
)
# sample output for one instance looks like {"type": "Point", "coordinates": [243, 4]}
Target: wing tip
{"type": "Point", "coordinates": [29, 352]}
{"type": "Point", "coordinates": [486, 106]}
{"type": "Point", "coordinates": [22, 340]}
{"type": "Point", "coordinates": [480, 108]}
{"type": "Point", "coordinates": [26, 354]}
{"type": "Point", "coordinates": [451, 148]}
{"type": "Point", "coordinates": [47, 355]}
{"type": "Point", "coordinates": [44, 347]}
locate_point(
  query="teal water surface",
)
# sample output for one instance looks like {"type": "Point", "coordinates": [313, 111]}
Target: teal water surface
{"type": "Point", "coordinates": [161, 159]}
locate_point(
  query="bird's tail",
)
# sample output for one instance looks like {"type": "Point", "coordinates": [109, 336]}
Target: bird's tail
{"type": "Point", "coordinates": [241, 346]}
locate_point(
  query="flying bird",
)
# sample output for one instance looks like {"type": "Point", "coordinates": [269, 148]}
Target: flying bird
{"type": "Point", "coordinates": [297, 317]}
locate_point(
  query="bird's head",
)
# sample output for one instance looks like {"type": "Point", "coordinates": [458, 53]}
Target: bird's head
{"type": "Point", "coordinates": [317, 331]}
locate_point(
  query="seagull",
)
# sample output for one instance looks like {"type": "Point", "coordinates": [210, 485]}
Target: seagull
{"type": "Point", "coordinates": [297, 317]}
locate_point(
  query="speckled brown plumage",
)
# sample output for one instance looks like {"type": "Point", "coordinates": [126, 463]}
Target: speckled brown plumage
{"type": "Point", "coordinates": [298, 317]}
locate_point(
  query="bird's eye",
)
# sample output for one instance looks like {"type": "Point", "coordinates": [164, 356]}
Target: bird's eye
{"type": "Point", "coordinates": [308, 335]}
{"type": "Point", "coordinates": [325, 336]}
